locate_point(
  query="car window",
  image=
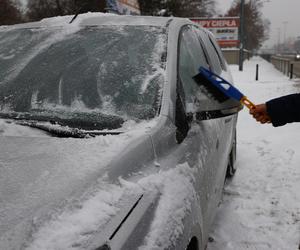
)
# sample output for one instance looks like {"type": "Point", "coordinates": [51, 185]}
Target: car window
{"type": "Point", "coordinates": [213, 54]}
{"type": "Point", "coordinates": [113, 70]}
{"type": "Point", "coordinates": [219, 52]}
{"type": "Point", "coordinates": [191, 57]}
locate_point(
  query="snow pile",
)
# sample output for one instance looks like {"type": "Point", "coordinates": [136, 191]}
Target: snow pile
{"type": "Point", "coordinates": [65, 20]}
{"type": "Point", "coordinates": [40, 179]}
{"type": "Point", "coordinates": [176, 187]}
{"type": "Point", "coordinates": [8, 128]}
{"type": "Point", "coordinates": [261, 206]}
{"type": "Point", "coordinates": [72, 228]}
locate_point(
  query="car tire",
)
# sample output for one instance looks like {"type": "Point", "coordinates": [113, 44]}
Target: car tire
{"type": "Point", "coordinates": [231, 168]}
{"type": "Point", "coordinates": [193, 244]}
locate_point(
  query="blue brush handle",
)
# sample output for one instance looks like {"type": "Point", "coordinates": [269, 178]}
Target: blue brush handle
{"type": "Point", "coordinates": [223, 85]}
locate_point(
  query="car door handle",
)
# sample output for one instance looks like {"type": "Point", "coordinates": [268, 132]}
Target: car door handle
{"type": "Point", "coordinates": [227, 120]}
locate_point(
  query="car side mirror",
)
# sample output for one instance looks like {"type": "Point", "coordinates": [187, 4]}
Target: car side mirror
{"type": "Point", "coordinates": [214, 114]}
{"type": "Point", "coordinates": [208, 108]}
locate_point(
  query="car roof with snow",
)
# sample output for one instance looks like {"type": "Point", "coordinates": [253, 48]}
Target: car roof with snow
{"type": "Point", "coordinates": [95, 19]}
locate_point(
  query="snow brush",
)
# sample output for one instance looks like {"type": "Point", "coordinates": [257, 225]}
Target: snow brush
{"type": "Point", "coordinates": [219, 88]}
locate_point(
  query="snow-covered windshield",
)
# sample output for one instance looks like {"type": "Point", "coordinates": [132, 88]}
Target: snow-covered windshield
{"type": "Point", "coordinates": [96, 73]}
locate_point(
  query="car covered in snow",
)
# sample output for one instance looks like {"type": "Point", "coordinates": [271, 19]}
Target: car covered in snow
{"type": "Point", "coordinates": [106, 140]}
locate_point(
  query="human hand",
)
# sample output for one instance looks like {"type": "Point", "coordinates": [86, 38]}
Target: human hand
{"type": "Point", "coordinates": [260, 114]}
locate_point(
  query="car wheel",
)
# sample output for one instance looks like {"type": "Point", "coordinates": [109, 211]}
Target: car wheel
{"type": "Point", "coordinates": [231, 168]}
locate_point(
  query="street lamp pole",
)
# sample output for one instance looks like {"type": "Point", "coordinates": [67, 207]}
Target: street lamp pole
{"type": "Point", "coordinates": [242, 25]}
{"type": "Point", "coordinates": [278, 41]}
{"type": "Point", "coordinates": [284, 32]}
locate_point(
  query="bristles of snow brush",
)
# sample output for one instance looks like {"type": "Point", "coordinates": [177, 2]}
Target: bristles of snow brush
{"type": "Point", "coordinates": [209, 89]}
{"type": "Point", "coordinates": [219, 88]}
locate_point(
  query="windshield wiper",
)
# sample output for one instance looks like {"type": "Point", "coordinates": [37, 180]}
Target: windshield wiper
{"type": "Point", "coordinates": [65, 132]}
{"type": "Point", "coordinates": [93, 121]}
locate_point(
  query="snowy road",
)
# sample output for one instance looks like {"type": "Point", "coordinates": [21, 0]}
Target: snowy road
{"type": "Point", "coordinates": [261, 205]}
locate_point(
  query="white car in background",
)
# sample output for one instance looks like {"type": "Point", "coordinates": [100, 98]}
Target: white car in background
{"type": "Point", "coordinates": [106, 141]}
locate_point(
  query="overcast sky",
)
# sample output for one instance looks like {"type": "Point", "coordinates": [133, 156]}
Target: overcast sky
{"type": "Point", "coordinates": [278, 12]}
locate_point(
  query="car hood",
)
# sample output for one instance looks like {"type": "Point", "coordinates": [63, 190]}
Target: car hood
{"type": "Point", "coordinates": [41, 174]}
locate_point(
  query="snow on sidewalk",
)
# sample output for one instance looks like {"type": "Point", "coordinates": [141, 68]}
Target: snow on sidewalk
{"type": "Point", "coordinates": [261, 205]}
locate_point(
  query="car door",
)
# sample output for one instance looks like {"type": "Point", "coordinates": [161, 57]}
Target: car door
{"type": "Point", "coordinates": [226, 124]}
{"type": "Point", "coordinates": [202, 140]}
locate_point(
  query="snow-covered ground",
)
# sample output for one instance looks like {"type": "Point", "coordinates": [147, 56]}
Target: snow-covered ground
{"type": "Point", "coordinates": [261, 205]}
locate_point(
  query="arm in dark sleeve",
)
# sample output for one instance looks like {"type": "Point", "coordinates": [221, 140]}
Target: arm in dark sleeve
{"type": "Point", "coordinates": [284, 109]}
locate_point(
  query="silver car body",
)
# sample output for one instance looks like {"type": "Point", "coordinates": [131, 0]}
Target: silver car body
{"type": "Point", "coordinates": [141, 189]}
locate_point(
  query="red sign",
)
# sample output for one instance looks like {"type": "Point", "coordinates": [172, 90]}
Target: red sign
{"type": "Point", "coordinates": [218, 23]}
{"type": "Point", "coordinates": [226, 30]}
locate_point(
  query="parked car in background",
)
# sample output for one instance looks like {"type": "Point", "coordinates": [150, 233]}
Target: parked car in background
{"type": "Point", "coordinates": [106, 140]}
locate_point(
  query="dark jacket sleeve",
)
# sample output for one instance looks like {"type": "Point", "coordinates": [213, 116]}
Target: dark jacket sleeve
{"type": "Point", "coordinates": [284, 109]}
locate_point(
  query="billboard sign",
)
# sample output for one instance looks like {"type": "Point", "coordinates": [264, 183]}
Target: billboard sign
{"type": "Point", "coordinates": [124, 7]}
{"type": "Point", "coordinates": [226, 30]}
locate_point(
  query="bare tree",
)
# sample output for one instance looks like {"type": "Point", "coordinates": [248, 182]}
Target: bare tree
{"type": "Point", "coordinates": [151, 7]}
{"type": "Point", "coordinates": [256, 28]}
{"type": "Point", "coordinates": [203, 8]}
{"type": "Point", "coordinates": [9, 12]}
{"type": "Point", "coordinates": [180, 8]}
{"type": "Point", "coordinates": [38, 9]}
